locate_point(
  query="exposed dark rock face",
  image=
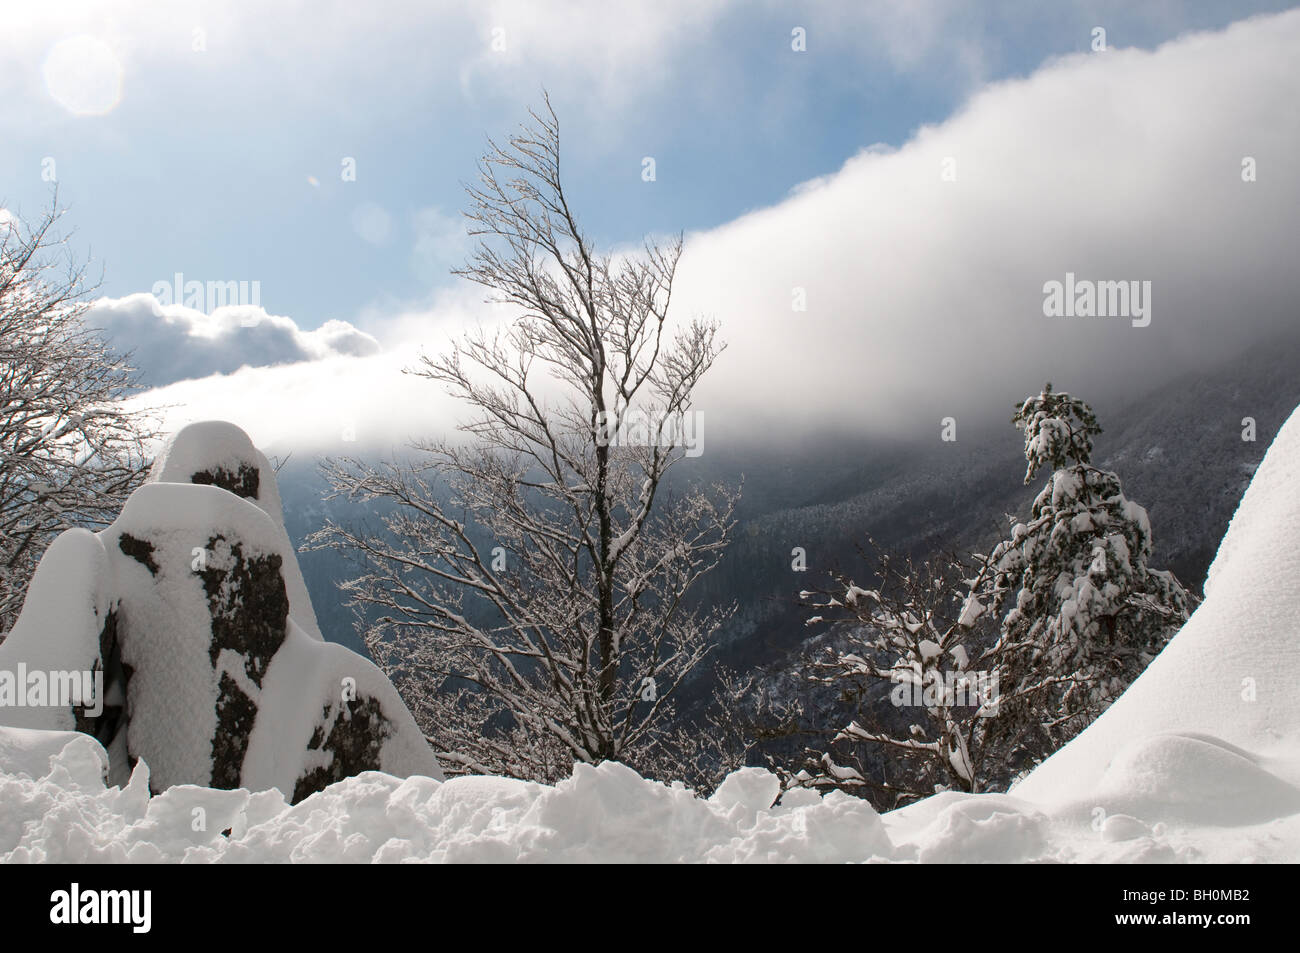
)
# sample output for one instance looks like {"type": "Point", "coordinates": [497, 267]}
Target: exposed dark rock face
{"type": "Point", "coordinates": [249, 607]}
{"type": "Point", "coordinates": [236, 714]}
{"type": "Point", "coordinates": [112, 719]}
{"type": "Point", "coordinates": [353, 733]}
{"type": "Point", "coordinates": [250, 610]}
{"type": "Point", "coordinates": [140, 550]}
{"type": "Point", "coordinates": [244, 481]}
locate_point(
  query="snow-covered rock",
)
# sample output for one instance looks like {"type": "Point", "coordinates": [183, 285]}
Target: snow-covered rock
{"type": "Point", "coordinates": [192, 610]}
{"type": "Point", "coordinates": [217, 453]}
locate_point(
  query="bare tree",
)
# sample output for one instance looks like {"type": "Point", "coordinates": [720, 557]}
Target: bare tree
{"type": "Point", "coordinates": [70, 451]}
{"type": "Point", "coordinates": [917, 670]}
{"type": "Point", "coordinates": [528, 590]}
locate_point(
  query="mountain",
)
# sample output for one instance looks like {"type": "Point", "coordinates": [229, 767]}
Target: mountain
{"type": "Point", "coordinates": [1178, 451]}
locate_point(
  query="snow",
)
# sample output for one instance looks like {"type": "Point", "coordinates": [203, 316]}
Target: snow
{"type": "Point", "coordinates": [971, 611]}
{"type": "Point", "coordinates": [1198, 761]}
{"type": "Point", "coordinates": [305, 668]}
{"type": "Point", "coordinates": [1231, 671]}
{"type": "Point", "coordinates": [71, 592]}
{"type": "Point", "coordinates": [53, 808]}
{"type": "Point", "coordinates": [146, 569]}
{"type": "Point", "coordinates": [210, 445]}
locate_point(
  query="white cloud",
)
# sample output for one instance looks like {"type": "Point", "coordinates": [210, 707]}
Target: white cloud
{"type": "Point", "coordinates": [938, 40]}
{"type": "Point", "coordinates": [609, 50]}
{"type": "Point", "coordinates": [172, 342]}
{"type": "Point", "coordinates": [582, 46]}
{"type": "Point", "coordinates": [83, 75]}
{"type": "Point", "coordinates": [333, 405]}
{"type": "Point", "coordinates": [586, 51]}
{"type": "Point", "coordinates": [924, 297]}
{"type": "Point", "coordinates": [372, 223]}
{"type": "Point", "coordinates": [344, 397]}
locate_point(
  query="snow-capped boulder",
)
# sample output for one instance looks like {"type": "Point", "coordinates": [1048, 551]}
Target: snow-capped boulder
{"type": "Point", "coordinates": [192, 610]}
{"type": "Point", "coordinates": [217, 453]}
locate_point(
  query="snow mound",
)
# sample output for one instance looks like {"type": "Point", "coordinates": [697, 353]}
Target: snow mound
{"type": "Point", "coordinates": [183, 611]}
{"type": "Point", "coordinates": [1201, 779]}
{"type": "Point", "coordinates": [69, 586]}
{"type": "Point", "coordinates": [53, 808]}
{"type": "Point", "coordinates": [217, 453]}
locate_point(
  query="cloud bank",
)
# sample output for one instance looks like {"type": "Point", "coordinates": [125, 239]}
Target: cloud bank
{"type": "Point", "coordinates": [922, 270]}
{"type": "Point", "coordinates": [171, 342]}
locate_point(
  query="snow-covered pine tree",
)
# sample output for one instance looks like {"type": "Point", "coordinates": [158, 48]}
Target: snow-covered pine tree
{"type": "Point", "coordinates": [1084, 615]}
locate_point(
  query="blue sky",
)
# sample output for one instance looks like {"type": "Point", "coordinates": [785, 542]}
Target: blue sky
{"type": "Point", "coordinates": [203, 165]}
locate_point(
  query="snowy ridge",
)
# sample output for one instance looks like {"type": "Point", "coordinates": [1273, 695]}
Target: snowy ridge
{"type": "Point", "coordinates": [1182, 768]}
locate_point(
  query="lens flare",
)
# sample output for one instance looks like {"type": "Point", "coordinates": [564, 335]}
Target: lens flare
{"type": "Point", "coordinates": [83, 75]}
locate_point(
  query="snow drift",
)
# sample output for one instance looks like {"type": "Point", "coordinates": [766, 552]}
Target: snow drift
{"type": "Point", "coordinates": [1198, 761]}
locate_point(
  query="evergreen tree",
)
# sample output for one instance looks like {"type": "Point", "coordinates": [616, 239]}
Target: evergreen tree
{"type": "Point", "coordinates": [1084, 615]}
